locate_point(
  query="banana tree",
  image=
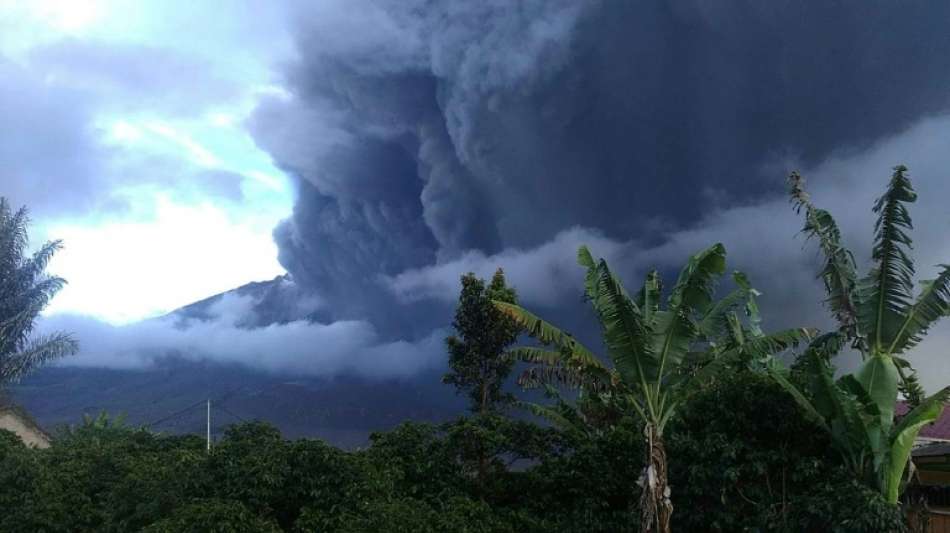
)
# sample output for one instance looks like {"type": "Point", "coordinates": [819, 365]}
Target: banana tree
{"type": "Point", "coordinates": [857, 411]}
{"type": "Point", "coordinates": [659, 354]}
{"type": "Point", "coordinates": [880, 317]}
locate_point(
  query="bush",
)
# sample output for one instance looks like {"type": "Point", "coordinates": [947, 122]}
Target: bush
{"type": "Point", "coordinates": [591, 488]}
{"type": "Point", "coordinates": [843, 505]}
{"type": "Point", "coordinates": [458, 515]}
{"type": "Point", "coordinates": [213, 516]}
{"type": "Point", "coordinates": [743, 458]}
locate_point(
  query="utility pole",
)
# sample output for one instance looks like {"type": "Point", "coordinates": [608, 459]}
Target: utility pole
{"type": "Point", "coordinates": [209, 425]}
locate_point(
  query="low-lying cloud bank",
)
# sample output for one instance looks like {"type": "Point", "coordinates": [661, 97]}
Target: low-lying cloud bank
{"type": "Point", "coordinates": [298, 347]}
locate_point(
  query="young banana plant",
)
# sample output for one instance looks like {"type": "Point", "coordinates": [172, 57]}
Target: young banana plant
{"type": "Point", "coordinates": [659, 354]}
{"type": "Point", "coordinates": [878, 313]}
{"type": "Point", "coordinates": [879, 316]}
{"type": "Point", "coordinates": [857, 411]}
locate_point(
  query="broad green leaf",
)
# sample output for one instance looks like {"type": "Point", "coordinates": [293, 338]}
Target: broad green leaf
{"type": "Point", "coordinates": [878, 376]}
{"type": "Point", "coordinates": [548, 333]}
{"type": "Point", "coordinates": [903, 436]}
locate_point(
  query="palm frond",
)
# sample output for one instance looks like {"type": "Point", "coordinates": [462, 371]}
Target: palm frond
{"type": "Point", "coordinates": [767, 345]}
{"type": "Point", "coordinates": [549, 334]}
{"type": "Point", "coordinates": [886, 292]}
{"type": "Point", "coordinates": [36, 353]}
{"type": "Point", "coordinates": [586, 260]}
{"type": "Point", "coordinates": [673, 330]}
{"type": "Point", "coordinates": [586, 378]}
{"type": "Point", "coordinates": [42, 257]}
{"type": "Point", "coordinates": [674, 334]}
{"type": "Point", "coordinates": [537, 356]}
{"type": "Point", "coordinates": [932, 305]}
{"type": "Point", "coordinates": [720, 319]}
{"type": "Point", "coordinates": [560, 415]}
{"type": "Point", "coordinates": [624, 330]}
{"type": "Point", "coordinates": [696, 282]}
{"type": "Point", "coordinates": [838, 274]}
{"type": "Point", "coordinates": [13, 235]}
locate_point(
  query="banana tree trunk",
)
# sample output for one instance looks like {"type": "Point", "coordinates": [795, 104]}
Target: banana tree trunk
{"type": "Point", "coordinates": [655, 505]}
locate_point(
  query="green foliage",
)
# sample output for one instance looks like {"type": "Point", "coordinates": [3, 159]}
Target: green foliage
{"type": "Point", "coordinates": [213, 516]}
{"type": "Point", "coordinates": [420, 461]}
{"type": "Point", "coordinates": [846, 506]}
{"type": "Point", "coordinates": [408, 514]}
{"type": "Point", "coordinates": [756, 463]}
{"type": "Point", "coordinates": [588, 488]}
{"type": "Point", "coordinates": [749, 457]}
{"type": "Point", "coordinates": [104, 476]}
{"type": "Point", "coordinates": [757, 447]}
{"type": "Point", "coordinates": [879, 315]}
{"type": "Point", "coordinates": [878, 312]}
{"type": "Point", "coordinates": [251, 465]}
{"type": "Point", "coordinates": [476, 354]}
{"type": "Point", "coordinates": [660, 355]}
{"type": "Point", "coordinates": [25, 290]}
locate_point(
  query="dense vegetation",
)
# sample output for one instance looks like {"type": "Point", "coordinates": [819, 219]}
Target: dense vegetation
{"type": "Point", "coordinates": [690, 422]}
{"type": "Point", "coordinates": [103, 476]}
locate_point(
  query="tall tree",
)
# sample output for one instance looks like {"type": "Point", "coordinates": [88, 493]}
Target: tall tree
{"type": "Point", "coordinates": [25, 290]}
{"type": "Point", "coordinates": [660, 354]}
{"type": "Point", "coordinates": [880, 317]}
{"type": "Point", "coordinates": [479, 365]}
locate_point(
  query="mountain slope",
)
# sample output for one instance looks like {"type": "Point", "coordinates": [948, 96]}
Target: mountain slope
{"type": "Point", "coordinates": [170, 394]}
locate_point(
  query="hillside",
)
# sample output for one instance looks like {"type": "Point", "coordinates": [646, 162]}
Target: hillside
{"type": "Point", "coordinates": [342, 410]}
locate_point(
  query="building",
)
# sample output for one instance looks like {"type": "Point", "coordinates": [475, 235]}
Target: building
{"type": "Point", "coordinates": [14, 418]}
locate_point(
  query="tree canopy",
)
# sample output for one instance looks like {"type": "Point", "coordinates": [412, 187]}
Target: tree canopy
{"type": "Point", "coordinates": [25, 290]}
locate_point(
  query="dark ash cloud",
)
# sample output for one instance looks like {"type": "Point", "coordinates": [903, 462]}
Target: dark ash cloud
{"type": "Point", "coordinates": [427, 139]}
{"type": "Point", "coordinates": [422, 133]}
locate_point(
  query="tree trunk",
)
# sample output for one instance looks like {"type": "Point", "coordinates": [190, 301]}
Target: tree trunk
{"type": "Point", "coordinates": [655, 505]}
{"type": "Point", "coordinates": [482, 411]}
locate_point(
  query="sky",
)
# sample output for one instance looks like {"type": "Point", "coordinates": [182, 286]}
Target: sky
{"type": "Point", "coordinates": [123, 135]}
{"type": "Point", "coordinates": [376, 150]}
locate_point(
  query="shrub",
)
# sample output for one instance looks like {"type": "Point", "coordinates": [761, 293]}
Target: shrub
{"type": "Point", "coordinates": [213, 516]}
{"type": "Point", "coordinates": [748, 460]}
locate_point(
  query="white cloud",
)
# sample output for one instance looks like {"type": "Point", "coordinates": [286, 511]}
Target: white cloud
{"type": "Point", "coordinates": [545, 275]}
{"type": "Point", "coordinates": [298, 347]}
{"type": "Point", "coordinates": [124, 270]}
{"type": "Point", "coordinates": [123, 134]}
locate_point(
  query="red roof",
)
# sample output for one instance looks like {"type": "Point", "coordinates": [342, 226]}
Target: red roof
{"type": "Point", "coordinates": [940, 429]}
